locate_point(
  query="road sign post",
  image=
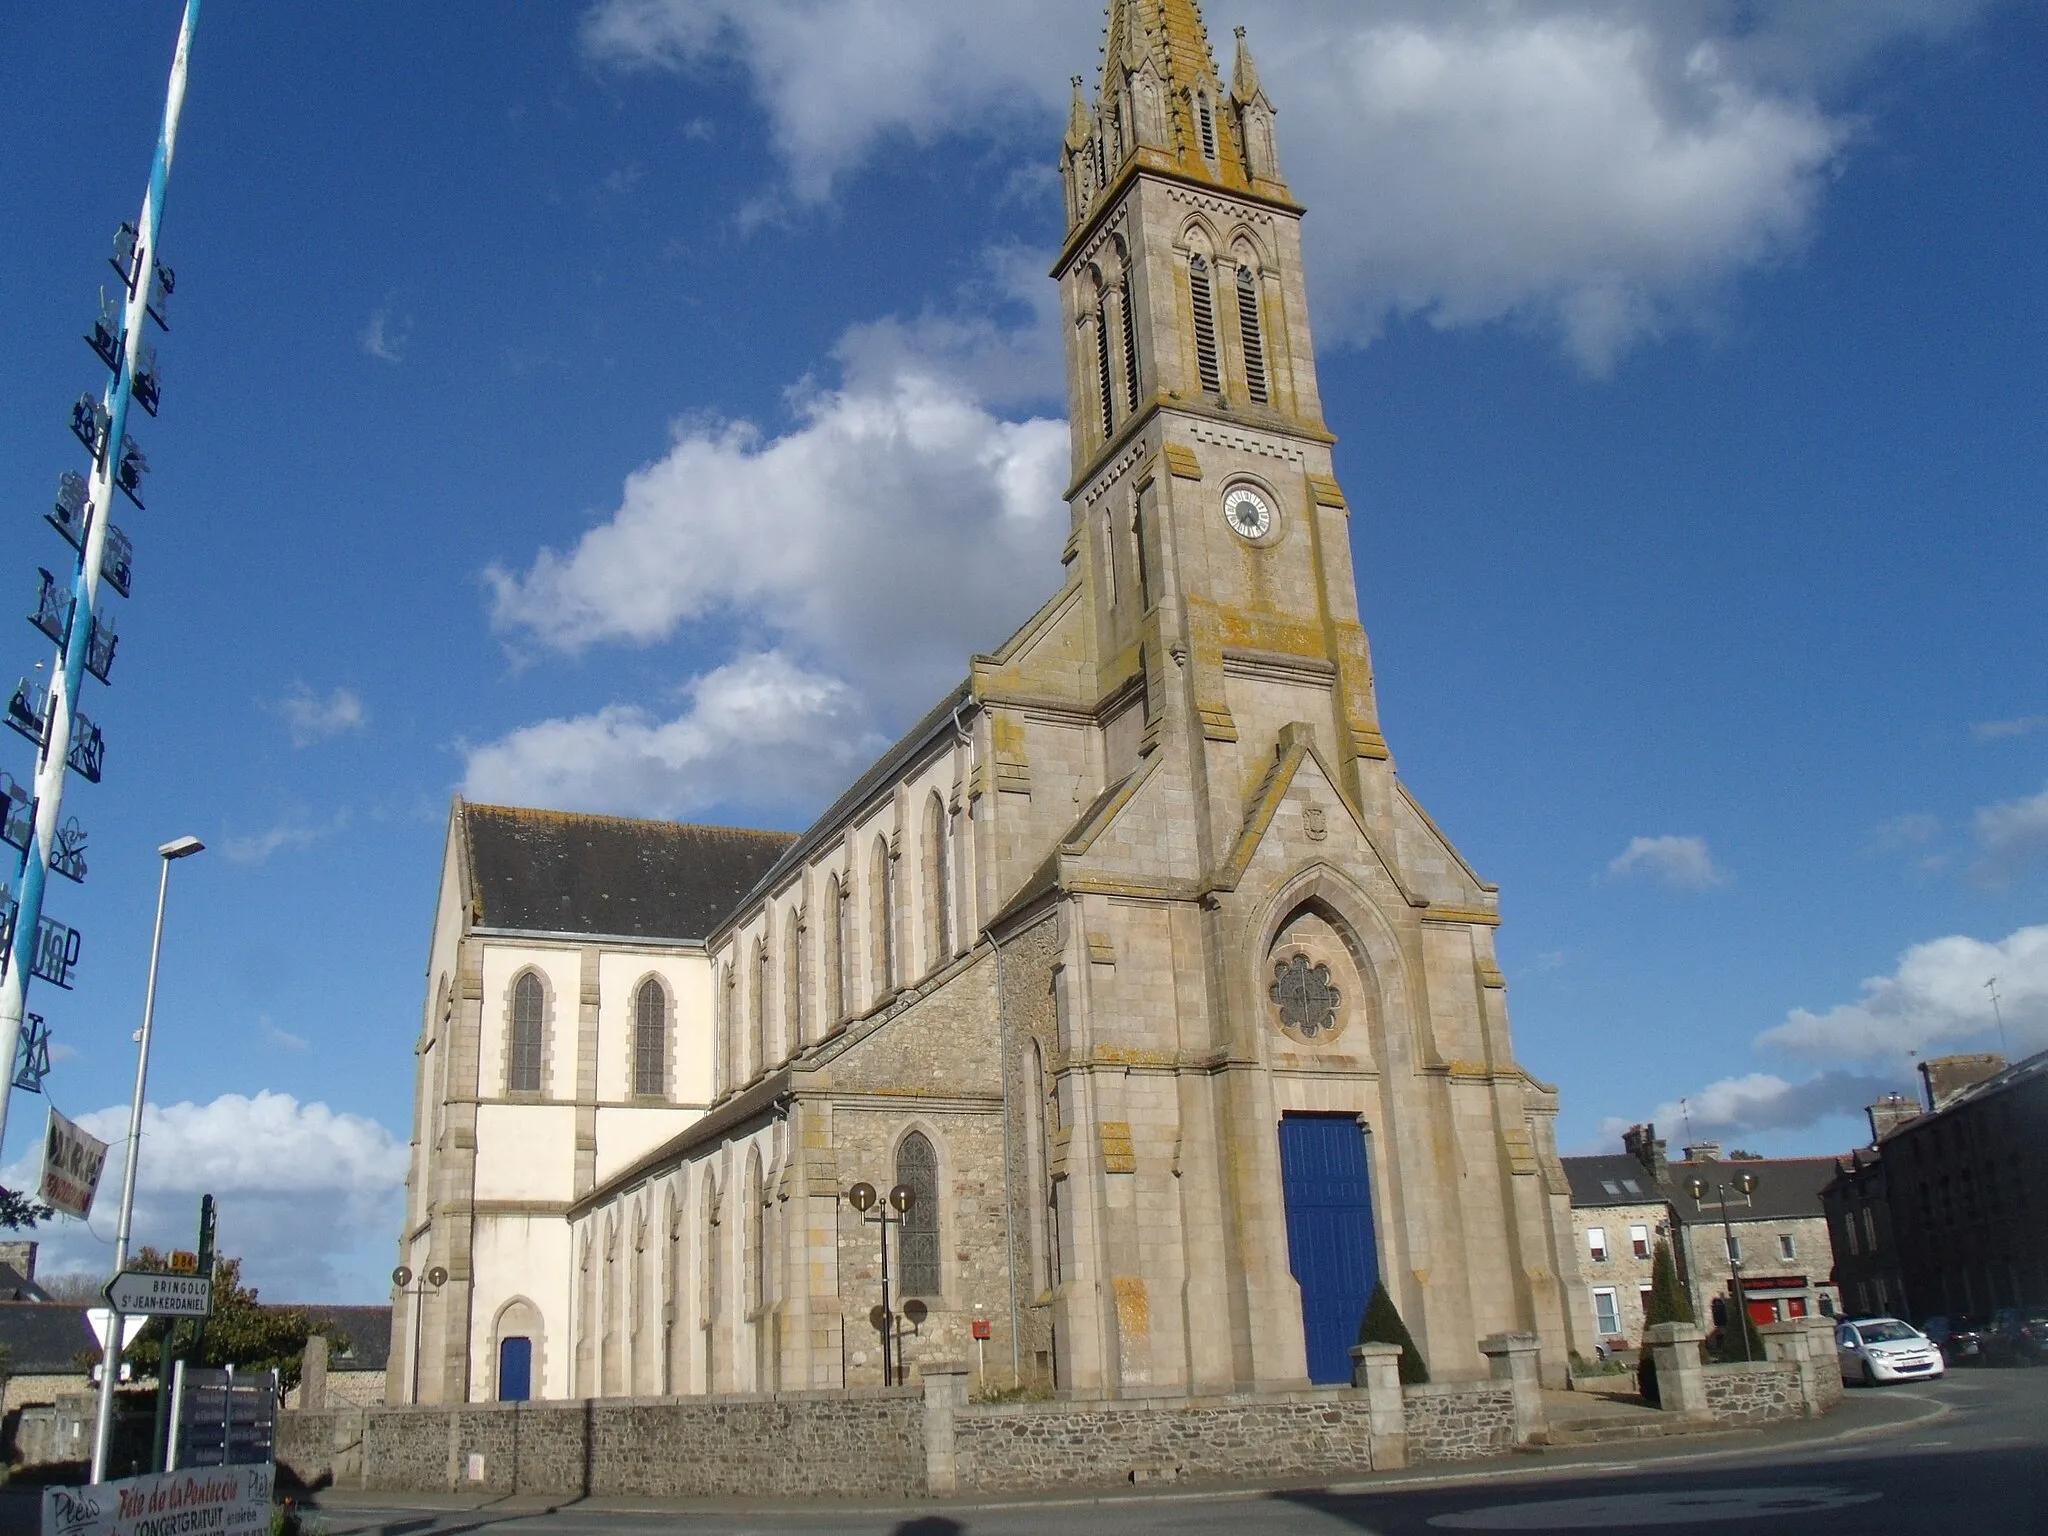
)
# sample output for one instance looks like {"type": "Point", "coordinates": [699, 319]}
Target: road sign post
{"type": "Point", "coordinates": [142, 1293]}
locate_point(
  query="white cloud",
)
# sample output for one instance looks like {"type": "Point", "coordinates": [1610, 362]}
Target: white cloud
{"type": "Point", "coordinates": [1910, 831]}
{"type": "Point", "coordinates": [759, 731]}
{"type": "Point", "coordinates": [1761, 1102]}
{"type": "Point", "coordinates": [292, 834]}
{"type": "Point", "coordinates": [308, 1197]}
{"type": "Point", "coordinates": [2013, 836]}
{"type": "Point", "coordinates": [283, 1039]}
{"type": "Point", "coordinates": [1683, 863]}
{"type": "Point", "coordinates": [1595, 168]}
{"type": "Point", "coordinates": [311, 718]}
{"type": "Point", "coordinates": [898, 483]}
{"type": "Point", "coordinates": [386, 336]}
{"type": "Point", "coordinates": [2006, 730]}
{"type": "Point", "coordinates": [1934, 1000]}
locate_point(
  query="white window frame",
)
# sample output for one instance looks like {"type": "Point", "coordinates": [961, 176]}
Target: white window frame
{"type": "Point", "coordinates": [1608, 1327]}
{"type": "Point", "coordinates": [1788, 1247]}
{"type": "Point", "coordinates": [1734, 1240]}
{"type": "Point", "coordinates": [1596, 1244]}
{"type": "Point", "coordinates": [1639, 1239]}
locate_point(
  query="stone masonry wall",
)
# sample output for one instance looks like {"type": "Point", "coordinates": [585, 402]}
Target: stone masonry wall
{"type": "Point", "coordinates": [1754, 1394]}
{"type": "Point", "coordinates": [1014, 1448]}
{"type": "Point", "coordinates": [828, 1444]}
{"type": "Point", "coordinates": [1456, 1421]}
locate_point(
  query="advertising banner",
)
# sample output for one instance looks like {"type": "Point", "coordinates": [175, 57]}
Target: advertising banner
{"type": "Point", "coordinates": [72, 1161]}
{"type": "Point", "coordinates": [214, 1501]}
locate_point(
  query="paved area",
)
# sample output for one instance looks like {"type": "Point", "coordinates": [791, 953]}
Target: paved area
{"type": "Point", "coordinates": [1971, 1449]}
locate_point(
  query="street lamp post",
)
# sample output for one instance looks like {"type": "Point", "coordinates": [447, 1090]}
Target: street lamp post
{"type": "Point", "coordinates": [432, 1280]}
{"type": "Point", "coordinates": [863, 1199]}
{"type": "Point", "coordinates": [1745, 1185]}
{"type": "Point", "coordinates": [110, 1360]}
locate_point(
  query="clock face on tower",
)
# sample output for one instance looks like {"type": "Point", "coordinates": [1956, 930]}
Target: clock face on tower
{"type": "Point", "coordinates": [1247, 512]}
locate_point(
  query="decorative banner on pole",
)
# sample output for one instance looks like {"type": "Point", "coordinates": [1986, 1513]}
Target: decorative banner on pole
{"type": "Point", "coordinates": [213, 1501]}
{"type": "Point", "coordinates": [72, 1161]}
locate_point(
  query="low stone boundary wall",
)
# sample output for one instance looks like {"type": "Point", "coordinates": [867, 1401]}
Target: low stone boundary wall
{"type": "Point", "coordinates": [1459, 1420]}
{"type": "Point", "coordinates": [859, 1444]}
{"type": "Point", "coordinates": [1015, 1448]}
{"type": "Point", "coordinates": [1754, 1394]}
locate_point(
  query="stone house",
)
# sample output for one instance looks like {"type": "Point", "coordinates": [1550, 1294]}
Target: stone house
{"type": "Point", "coordinates": [1618, 1214]}
{"type": "Point", "coordinates": [1134, 962]}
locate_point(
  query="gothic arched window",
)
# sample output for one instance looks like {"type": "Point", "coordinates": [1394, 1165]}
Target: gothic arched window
{"type": "Point", "coordinates": [881, 942]}
{"type": "Point", "coordinates": [650, 1039]}
{"type": "Point", "coordinates": [835, 954]}
{"type": "Point", "coordinates": [759, 1042]}
{"type": "Point", "coordinates": [918, 1167]}
{"type": "Point", "coordinates": [793, 985]}
{"type": "Point", "coordinates": [1254, 339]}
{"type": "Point", "coordinates": [529, 1005]}
{"type": "Point", "coordinates": [1203, 298]}
{"type": "Point", "coordinates": [756, 1255]}
{"type": "Point", "coordinates": [936, 883]}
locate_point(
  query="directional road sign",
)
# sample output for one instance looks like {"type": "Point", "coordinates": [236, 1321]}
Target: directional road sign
{"type": "Point", "coordinates": [136, 1292]}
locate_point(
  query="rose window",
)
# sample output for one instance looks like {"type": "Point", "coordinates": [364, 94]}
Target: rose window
{"type": "Point", "coordinates": [1305, 996]}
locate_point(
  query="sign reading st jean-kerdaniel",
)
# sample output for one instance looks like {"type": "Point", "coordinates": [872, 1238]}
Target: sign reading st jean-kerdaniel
{"type": "Point", "coordinates": [139, 1293]}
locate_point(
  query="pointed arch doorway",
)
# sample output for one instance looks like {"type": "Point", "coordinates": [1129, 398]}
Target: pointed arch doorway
{"type": "Point", "coordinates": [1332, 1251]}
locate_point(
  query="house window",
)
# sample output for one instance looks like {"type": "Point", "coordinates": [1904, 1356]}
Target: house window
{"type": "Point", "coordinates": [1639, 1240]}
{"type": "Point", "coordinates": [1596, 1244]}
{"type": "Point", "coordinates": [528, 1001]}
{"type": "Point", "coordinates": [1606, 1314]}
{"type": "Point", "coordinates": [1849, 1233]}
{"type": "Point", "coordinates": [1734, 1249]}
{"type": "Point", "coordinates": [1787, 1248]}
{"type": "Point", "coordinates": [650, 1040]}
{"type": "Point", "coordinates": [1870, 1229]}
{"type": "Point", "coordinates": [918, 1167]}
{"type": "Point", "coordinates": [1643, 1294]}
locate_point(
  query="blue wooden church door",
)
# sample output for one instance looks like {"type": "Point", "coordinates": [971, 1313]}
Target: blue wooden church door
{"type": "Point", "coordinates": [515, 1370]}
{"type": "Point", "coordinates": [1330, 1244]}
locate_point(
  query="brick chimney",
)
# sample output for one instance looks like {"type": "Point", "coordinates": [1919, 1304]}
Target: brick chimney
{"type": "Point", "coordinates": [1889, 1113]}
{"type": "Point", "coordinates": [1642, 1143]}
{"type": "Point", "coordinates": [1948, 1076]}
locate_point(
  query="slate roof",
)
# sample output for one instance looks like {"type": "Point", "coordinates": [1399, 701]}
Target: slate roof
{"type": "Point", "coordinates": [563, 872]}
{"type": "Point", "coordinates": [1610, 1179]}
{"type": "Point", "coordinates": [368, 1330]}
{"type": "Point", "coordinates": [44, 1338]}
{"type": "Point", "coordinates": [1787, 1188]}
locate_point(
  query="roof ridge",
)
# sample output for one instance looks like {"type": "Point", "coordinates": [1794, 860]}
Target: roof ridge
{"type": "Point", "coordinates": [551, 813]}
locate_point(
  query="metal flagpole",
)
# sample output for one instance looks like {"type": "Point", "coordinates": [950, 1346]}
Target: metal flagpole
{"type": "Point", "coordinates": [35, 946]}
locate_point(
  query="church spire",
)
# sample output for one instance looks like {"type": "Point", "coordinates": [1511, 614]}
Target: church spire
{"type": "Point", "coordinates": [1163, 105]}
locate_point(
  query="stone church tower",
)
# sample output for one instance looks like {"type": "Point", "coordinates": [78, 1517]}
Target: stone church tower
{"type": "Point", "coordinates": [1135, 959]}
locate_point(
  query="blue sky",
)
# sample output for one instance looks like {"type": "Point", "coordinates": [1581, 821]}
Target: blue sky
{"type": "Point", "coordinates": [552, 388]}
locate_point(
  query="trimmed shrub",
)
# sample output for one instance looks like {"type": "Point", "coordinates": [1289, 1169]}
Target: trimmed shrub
{"type": "Point", "coordinates": [1383, 1325]}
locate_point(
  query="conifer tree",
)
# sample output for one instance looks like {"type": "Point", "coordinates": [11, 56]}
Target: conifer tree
{"type": "Point", "coordinates": [1383, 1325]}
{"type": "Point", "coordinates": [1668, 1303]}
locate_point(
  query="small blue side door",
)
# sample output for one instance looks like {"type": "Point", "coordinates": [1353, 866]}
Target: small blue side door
{"type": "Point", "coordinates": [515, 1370]}
{"type": "Point", "coordinates": [1330, 1243]}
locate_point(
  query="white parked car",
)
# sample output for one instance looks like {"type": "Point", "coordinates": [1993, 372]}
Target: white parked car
{"type": "Point", "coordinates": [1874, 1350]}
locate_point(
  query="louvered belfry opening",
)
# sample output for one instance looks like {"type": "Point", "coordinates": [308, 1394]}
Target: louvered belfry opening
{"type": "Point", "coordinates": [1130, 348]}
{"type": "Point", "coordinates": [1102, 365]}
{"type": "Point", "coordinates": [1254, 340]}
{"type": "Point", "coordinates": [1205, 325]}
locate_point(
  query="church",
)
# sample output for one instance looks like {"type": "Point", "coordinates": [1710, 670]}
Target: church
{"type": "Point", "coordinates": [1134, 968]}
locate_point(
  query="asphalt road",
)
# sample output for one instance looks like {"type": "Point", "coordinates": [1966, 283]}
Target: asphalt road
{"type": "Point", "coordinates": [1968, 1452]}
